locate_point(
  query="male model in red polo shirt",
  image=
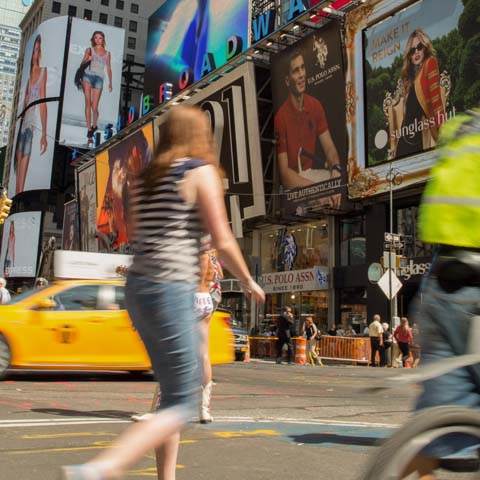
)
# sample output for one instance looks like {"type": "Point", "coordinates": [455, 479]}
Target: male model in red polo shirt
{"type": "Point", "coordinates": [298, 123]}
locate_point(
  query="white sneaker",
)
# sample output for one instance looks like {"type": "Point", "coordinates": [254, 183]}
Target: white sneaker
{"type": "Point", "coordinates": [142, 417]}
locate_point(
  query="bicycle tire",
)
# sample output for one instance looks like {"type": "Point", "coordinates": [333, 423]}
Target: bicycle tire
{"type": "Point", "coordinates": [390, 459]}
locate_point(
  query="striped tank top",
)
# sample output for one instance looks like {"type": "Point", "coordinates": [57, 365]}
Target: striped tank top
{"type": "Point", "coordinates": [167, 230]}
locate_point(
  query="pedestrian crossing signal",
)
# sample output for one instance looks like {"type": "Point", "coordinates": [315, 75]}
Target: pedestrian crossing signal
{"type": "Point", "coordinates": [5, 206]}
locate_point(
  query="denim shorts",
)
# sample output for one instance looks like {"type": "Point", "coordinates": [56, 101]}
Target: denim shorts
{"type": "Point", "coordinates": [25, 141]}
{"type": "Point", "coordinates": [93, 79]}
{"type": "Point", "coordinates": [444, 320]}
{"type": "Point", "coordinates": [163, 314]}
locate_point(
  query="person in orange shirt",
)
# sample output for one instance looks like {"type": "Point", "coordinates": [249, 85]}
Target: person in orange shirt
{"type": "Point", "coordinates": [403, 336]}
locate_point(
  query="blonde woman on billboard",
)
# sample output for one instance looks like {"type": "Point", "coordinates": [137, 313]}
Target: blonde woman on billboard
{"type": "Point", "coordinates": [34, 91]}
{"type": "Point", "coordinates": [93, 78]}
{"type": "Point", "coordinates": [415, 121]}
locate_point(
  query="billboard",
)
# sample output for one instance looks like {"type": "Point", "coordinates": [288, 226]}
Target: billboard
{"type": "Point", "coordinates": [308, 92]}
{"type": "Point", "coordinates": [231, 104]}
{"type": "Point", "coordinates": [71, 237]}
{"type": "Point", "coordinates": [36, 124]}
{"type": "Point", "coordinates": [87, 195]}
{"type": "Point", "coordinates": [117, 167]}
{"type": "Point", "coordinates": [95, 101]}
{"type": "Point", "coordinates": [21, 235]}
{"type": "Point", "coordinates": [187, 39]}
{"type": "Point", "coordinates": [411, 67]}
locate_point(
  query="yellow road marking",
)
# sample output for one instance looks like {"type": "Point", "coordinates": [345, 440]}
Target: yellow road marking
{"type": "Point", "coordinates": [245, 434]}
{"type": "Point", "coordinates": [148, 472]}
{"type": "Point", "coordinates": [66, 435]}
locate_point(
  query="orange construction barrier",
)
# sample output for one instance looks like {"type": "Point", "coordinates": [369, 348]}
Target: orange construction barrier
{"type": "Point", "coordinates": [300, 350]}
{"type": "Point", "coordinates": [247, 353]}
{"type": "Point", "coordinates": [349, 349]}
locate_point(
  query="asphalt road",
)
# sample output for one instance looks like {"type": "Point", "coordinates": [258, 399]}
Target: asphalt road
{"type": "Point", "coordinates": [271, 421]}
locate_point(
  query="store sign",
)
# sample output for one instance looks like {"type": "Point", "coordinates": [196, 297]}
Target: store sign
{"type": "Point", "coordinates": [306, 280]}
{"type": "Point", "coordinates": [414, 269]}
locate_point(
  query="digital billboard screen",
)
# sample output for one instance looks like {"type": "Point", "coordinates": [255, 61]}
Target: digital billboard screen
{"type": "Point", "coordinates": [92, 99]}
{"type": "Point", "coordinates": [188, 39]}
{"type": "Point", "coordinates": [21, 235]}
{"type": "Point", "coordinates": [87, 198]}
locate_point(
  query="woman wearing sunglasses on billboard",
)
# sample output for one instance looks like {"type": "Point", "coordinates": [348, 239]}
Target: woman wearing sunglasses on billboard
{"type": "Point", "coordinates": [422, 109]}
{"type": "Point", "coordinates": [93, 78]}
{"type": "Point", "coordinates": [35, 90]}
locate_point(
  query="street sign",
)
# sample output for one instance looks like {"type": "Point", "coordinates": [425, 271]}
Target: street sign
{"type": "Point", "coordinates": [384, 284]}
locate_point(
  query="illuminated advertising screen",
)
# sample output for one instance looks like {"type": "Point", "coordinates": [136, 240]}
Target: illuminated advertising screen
{"type": "Point", "coordinates": [91, 99]}
{"type": "Point", "coordinates": [116, 169]}
{"type": "Point", "coordinates": [419, 71]}
{"type": "Point", "coordinates": [231, 104]}
{"type": "Point", "coordinates": [21, 235]}
{"type": "Point", "coordinates": [87, 197]}
{"type": "Point", "coordinates": [36, 123]}
{"type": "Point", "coordinates": [71, 237]}
{"type": "Point", "coordinates": [187, 39]}
{"type": "Point", "coordinates": [308, 91]}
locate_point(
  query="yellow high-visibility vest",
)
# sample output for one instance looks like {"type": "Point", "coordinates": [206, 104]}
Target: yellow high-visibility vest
{"type": "Point", "coordinates": [450, 209]}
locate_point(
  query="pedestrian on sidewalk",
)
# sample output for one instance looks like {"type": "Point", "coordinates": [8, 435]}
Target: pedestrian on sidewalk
{"type": "Point", "coordinates": [4, 293]}
{"type": "Point", "coordinates": [309, 329]}
{"type": "Point", "coordinates": [180, 190]}
{"type": "Point", "coordinates": [404, 337]}
{"type": "Point", "coordinates": [285, 324]}
{"type": "Point", "coordinates": [375, 331]}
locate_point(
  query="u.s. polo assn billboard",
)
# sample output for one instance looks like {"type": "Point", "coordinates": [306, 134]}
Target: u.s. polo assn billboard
{"type": "Point", "coordinates": [306, 280]}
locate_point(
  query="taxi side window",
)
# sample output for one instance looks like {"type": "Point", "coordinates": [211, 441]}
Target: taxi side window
{"type": "Point", "coordinates": [83, 297]}
{"type": "Point", "coordinates": [120, 297]}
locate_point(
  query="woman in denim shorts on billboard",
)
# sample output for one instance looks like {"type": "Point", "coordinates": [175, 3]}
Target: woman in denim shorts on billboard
{"type": "Point", "coordinates": [92, 82]}
{"type": "Point", "coordinates": [35, 90]}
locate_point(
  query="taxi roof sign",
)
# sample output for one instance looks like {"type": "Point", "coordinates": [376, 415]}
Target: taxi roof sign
{"type": "Point", "coordinates": [89, 265]}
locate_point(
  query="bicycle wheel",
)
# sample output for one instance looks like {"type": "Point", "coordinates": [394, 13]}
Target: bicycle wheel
{"type": "Point", "coordinates": [420, 431]}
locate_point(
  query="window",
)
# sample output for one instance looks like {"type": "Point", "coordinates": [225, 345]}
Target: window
{"type": "Point", "coordinates": [118, 21]}
{"type": "Point", "coordinates": [120, 4]}
{"type": "Point", "coordinates": [407, 225]}
{"type": "Point", "coordinates": [132, 43]}
{"type": "Point", "coordinates": [87, 14]}
{"type": "Point", "coordinates": [103, 18]}
{"type": "Point", "coordinates": [56, 7]}
{"type": "Point", "coordinates": [78, 298]}
{"type": "Point", "coordinates": [72, 10]}
{"type": "Point", "coordinates": [120, 297]}
{"type": "Point", "coordinates": [132, 26]}
{"type": "Point", "coordinates": [130, 58]}
{"type": "Point", "coordinates": [353, 241]}
{"type": "Point", "coordinates": [134, 7]}
{"type": "Point", "coordinates": [105, 2]}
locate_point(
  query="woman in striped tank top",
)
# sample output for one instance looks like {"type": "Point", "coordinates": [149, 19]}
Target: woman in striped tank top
{"type": "Point", "coordinates": [178, 195]}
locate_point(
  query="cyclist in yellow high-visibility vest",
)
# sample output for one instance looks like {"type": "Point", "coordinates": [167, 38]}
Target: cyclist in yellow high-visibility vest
{"type": "Point", "coordinates": [450, 217]}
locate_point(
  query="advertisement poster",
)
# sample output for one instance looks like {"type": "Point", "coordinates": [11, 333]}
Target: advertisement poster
{"type": "Point", "coordinates": [21, 235]}
{"type": "Point", "coordinates": [308, 91]}
{"type": "Point", "coordinates": [71, 237]}
{"type": "Point", "coordinates": [231, 104]}
{"type": "Point", "coordinates": [87, 187]}
{"type": "Point", "coordinates": [94, 102]}
{"type": "Point", "coordinates": [116, 170]}
{"type": "Point", "coordinates": [418, 73]}
{"type": "Point", "coordinates": [36, 122]}
{"type": "Point", "coordinates": [187, 39]}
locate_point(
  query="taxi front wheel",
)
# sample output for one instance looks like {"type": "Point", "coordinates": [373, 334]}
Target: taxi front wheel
{"type": "Point", "coordinates": [5, 356]}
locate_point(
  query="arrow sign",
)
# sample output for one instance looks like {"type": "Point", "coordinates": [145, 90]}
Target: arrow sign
{"type": "Point", "coordinates": [384, 284]}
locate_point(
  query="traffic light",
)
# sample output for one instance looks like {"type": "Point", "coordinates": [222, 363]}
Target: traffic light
{"type": "Point", "coordinates": [5, 206]}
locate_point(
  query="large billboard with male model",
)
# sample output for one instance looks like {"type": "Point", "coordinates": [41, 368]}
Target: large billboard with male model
{"type": "Point", "coordinates": [412, 79]}
{"type": "Point", "coordinates": [92, 98]}
{"type": "Point", "coordinates": [21, 235]}
{"type": "Point", "coordinates": [36, 123]}
{"type": "Point", "coordinates": [116, 170]}
{"type": "Point", "coordinates": [308, 90]}
{"type": "Point", "coordinates": [187, 39]}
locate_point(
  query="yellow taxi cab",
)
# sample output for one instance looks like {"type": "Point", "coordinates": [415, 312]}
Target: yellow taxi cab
{"type": "Point", "coordinates": [83, 325]}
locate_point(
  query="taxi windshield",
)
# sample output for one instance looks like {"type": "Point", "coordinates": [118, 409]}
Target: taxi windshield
{"type": "Point", "coordinates": [27, 293]}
